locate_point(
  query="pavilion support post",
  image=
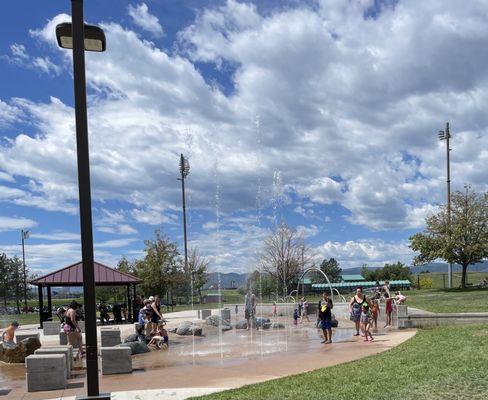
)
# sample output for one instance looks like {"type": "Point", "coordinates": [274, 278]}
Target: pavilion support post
{"type": "Point", "coordinates": [41, 305]}
{"type": "Point", "coordinates": [49, 303]}
{"type": "Point", "coordinates": [129, 303]}
{"type": "Point", "coordinates": [135, 317]}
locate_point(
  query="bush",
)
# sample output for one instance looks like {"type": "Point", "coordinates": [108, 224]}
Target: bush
{"type": "Point", "coordinates": [426, 283]}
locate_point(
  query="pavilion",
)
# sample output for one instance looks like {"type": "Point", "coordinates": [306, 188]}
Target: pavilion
{"type": "Point", "coordinates": [72, 275]}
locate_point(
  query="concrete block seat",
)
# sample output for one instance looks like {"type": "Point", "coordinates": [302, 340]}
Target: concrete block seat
{"type": "Point", "coordinates": [51, 328]}
{"type": "Point", "coordinates": [66, 350]}
{"type": "Point", "coordinates": [116, 360]}
{"type": "Point", "coordinates": [19, 336]}
{"type": "Point", "coordinates": [46, 372]}
{"type": "Point", "coordinates": [110, 336]}
{"type": "Point", "coordinates": [206, 313]}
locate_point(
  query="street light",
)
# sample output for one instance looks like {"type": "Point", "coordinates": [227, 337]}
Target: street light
{"type": "Point", "coordinates": [24, 235]}
{"type": "Point", "coordinates": [184, 171]}
{"type": "Point", "coordinates": [81, 37]}
{"type": "Point", "coordinates": [446, 135]}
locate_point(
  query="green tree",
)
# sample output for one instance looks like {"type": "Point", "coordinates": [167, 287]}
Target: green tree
{"type": "Point", "coordinates": [331, 268]}
{"type": "Point", "coordinates": [390, 272]}
{"type": "Point", "coordinates": [197, 271]}
{"type": "Point", "coordinates": [160, 265]}
{"type": "Point", "coordinates": [368, 273]}
{"type": "Point", "coordinates": [462, 241]}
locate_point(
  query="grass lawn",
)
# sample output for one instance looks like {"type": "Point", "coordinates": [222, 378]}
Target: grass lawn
{"type": "Point", "coordinates": [22, 319]}
{"type": "Point", "coordinates": [449, 300]}
{"type": "Point", "coordinates": [440, 363]}
{"type": "Point", "coordinates": [440, 279]}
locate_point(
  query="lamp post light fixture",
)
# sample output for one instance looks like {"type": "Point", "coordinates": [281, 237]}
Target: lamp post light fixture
{"type": "Point", "coordinates": [81, 38]}
{"type": "Point", "coordinates": [184, 171]}
{"type": "Point", "coordinates": [446, 135]}
{"type": "Point", "coordinates": [24, 235]}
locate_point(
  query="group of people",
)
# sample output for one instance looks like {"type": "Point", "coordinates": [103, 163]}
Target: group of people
{"type": "Point", "coordinates": [151, 322]}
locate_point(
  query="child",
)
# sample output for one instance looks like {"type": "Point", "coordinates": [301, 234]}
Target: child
{"type": "Point", "coordinates": [295, 316]}
{"type": "Point", "coordinates": [160, 338]}
{"type": "Point", "coordinates": [375, 310]}
{"type": "Point", "coordinates": [366, 322]}
{"type": "Point", "coordinates": [8, 335]}
{"type": "Point", "coordinates": [275, 313]}
{"type": "Point", "coordinates": [388, 310]}
{"type": "Point", "coordinates": [237, 310]}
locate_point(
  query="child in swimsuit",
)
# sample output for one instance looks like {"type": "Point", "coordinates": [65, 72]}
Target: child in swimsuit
{"type": "Point", "coordinates": [160, 338]}
{"type": "Point", "coordinates": [375, 310]}
{"type": "Point", "coordinates": [366, 322]}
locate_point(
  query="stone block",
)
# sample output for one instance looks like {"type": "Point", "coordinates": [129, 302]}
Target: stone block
{"type": "Point", "coordinates": [402, 311]}
{"type": "Point", "coordinates": [116, 360]}
{"type": "Point", "coordinates": [110, 337]}
{"type": "Point", "coordinates": [66, 350]}
{"type": "Point", "coordinates": [137, 326]}
{"type": "Point", "coordinates": [404, 323]}
{"type": "Point", "coordinates": [225, 314]}
{"type": "Point", "coordinates": [46, 372]}
{"type": "Point", "coordinates": [19, 336]}
{"type": "Point", "coordinates": [206, 313]}
{"type": "Point", "coordinates": [51, 328]}
{"type": "Point", "coordinates": [63, 338]}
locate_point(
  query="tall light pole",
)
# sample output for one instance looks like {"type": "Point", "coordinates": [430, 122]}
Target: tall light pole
{"type": "Point", "coordinates": [184, 171]}
{"type": "Point", "coordinates": [446, 135]}
{"type": "Point", "coordinates": [24, 235]}
{"type": "Point", "coordinates": [81, 37]}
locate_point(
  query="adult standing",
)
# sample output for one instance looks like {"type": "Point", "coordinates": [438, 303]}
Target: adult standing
{"type": "Point", "coordinates": [73, 331]}
{"type": "Point", "coordinates": [249, 308]}
{"type": "Point", "coordinates": [355, 305]}
{"type": "Point", "coordinates": [156, 312]}
{"type": "Point", "coordinates": [324, 314]}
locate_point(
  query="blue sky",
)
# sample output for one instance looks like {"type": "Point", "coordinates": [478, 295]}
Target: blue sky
{"type": "Point", "coordinates": [320, 113]}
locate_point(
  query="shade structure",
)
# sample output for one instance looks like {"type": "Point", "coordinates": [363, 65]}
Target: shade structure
{"type": "Point", "coordinates": [72, 275]}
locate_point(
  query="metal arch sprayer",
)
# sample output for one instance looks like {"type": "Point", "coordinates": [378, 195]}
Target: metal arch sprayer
{"type": "Point", "coordinates": [322, 272]}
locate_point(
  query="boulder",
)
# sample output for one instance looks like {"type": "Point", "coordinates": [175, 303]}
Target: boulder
{"type": "Point", "coordinates": [242, 324]}
{"type": "Point", "coordinates": [217, 321]}
{"type": "Point", "coordinates": [187, 328]}
{"type": "Point", "coordinates": [136, 347]}
{"type": "Point", "coordinates": [277, 325]}
{"type": "Point", "coordinates": [134, 338]}
{"type": "Point", "coordinates": [214, 320]}
{"type": "Point", "coordinates": [18, 353]}
{"type": "Point", "coordinates": [267, 325]}
{"type": "Point", "coordinates": [261, 321]}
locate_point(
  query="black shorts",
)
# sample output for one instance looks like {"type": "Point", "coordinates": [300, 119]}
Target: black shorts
{"type": "Point", "coordinates": [154, 318]}
{"type": "Point", "coordinates": [248, 314]}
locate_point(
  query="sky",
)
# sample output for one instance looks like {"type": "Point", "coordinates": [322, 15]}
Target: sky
{"type": "Point", "coordinates": [320, 113]}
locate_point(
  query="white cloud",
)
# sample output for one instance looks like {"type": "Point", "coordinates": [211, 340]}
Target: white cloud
{"type": "Point", "coordinates": [56, 236]}
{"type": "Point", "coordinates": [145, 20]}
{"type": "Point", "coordinates": [113, 222]}
{"type": "Point", "coordinates": [348, 111]}
{"type": "Point", "coordinates": [373, 252]}
{"type": "Point", "coordinates": [14, 223]}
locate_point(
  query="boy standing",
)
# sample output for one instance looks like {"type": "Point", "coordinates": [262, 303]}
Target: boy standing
{"type": "Point", "coordinates": [325, 316]}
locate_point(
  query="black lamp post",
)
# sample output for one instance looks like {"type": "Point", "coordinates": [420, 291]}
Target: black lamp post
{"type": "Point", "coordinates": [81, 37]}
{"type": "Point", "coordinates": [25, 235]}
{"type": "Point", "coordinates": [446, 135]}
{"type": "Point", "coordinates": [184, 171]}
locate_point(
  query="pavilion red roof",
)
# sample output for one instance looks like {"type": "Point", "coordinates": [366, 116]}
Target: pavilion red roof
{"type": "Point", "coordinates": [72, 275]}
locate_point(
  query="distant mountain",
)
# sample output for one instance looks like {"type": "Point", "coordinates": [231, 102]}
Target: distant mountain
{"type": "Point", "coordinates": [442, 267]}
{"type": "Point", "coordinates": [227, 280]}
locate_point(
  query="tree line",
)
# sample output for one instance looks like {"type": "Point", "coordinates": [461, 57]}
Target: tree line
{"type": "Point", "coordinates": [12, 281]}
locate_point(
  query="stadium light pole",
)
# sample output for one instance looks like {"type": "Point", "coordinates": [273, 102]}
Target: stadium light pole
{"type": "Point", "coordinates": [80, 38]}
{"type": "Point", "coordinates": [184, 171]}
{"type": "Point", "coordinates": [446, 135]}
{"type": "Point", "coordinates": [24, 235]}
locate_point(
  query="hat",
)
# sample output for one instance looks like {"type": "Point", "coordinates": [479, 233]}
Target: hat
{"type": "Point", "coordinates": [151, 298]}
